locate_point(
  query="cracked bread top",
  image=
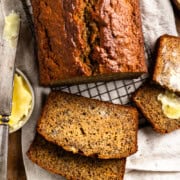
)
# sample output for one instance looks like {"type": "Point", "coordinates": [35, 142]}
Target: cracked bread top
{"type": "Point", "coordinates": [78, 39]}
{"type": "Point", "coordinates": [89, 127]}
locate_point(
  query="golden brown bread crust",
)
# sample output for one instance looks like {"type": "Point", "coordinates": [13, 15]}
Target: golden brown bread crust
{"type": "Point", "coordinates": [89, 127]}
{"type": "Point", "coordinates": [146, 100]}
{"type": "Point", "coordinates": [79, 39]}
{"type": "Point", "coordinates": [167, 67]}
{"type": "Point", "coordinates": [76, 167]}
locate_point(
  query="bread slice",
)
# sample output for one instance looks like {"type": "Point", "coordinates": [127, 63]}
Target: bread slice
{"type": "Point", "coordinates": [59, 161]}
{"type": "Point", "coordinates": [146, 100]}
{"type": "Point", "coordinates": [167, 68]}
{"type": "Point", "coordinates": [89, 127]}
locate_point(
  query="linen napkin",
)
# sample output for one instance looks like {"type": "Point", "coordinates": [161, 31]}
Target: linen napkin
{"type": "Point", "coordinates": [158, 156]}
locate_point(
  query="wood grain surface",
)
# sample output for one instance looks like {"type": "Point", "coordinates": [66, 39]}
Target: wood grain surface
{"type": "Point", "coordinates": [15, 162]}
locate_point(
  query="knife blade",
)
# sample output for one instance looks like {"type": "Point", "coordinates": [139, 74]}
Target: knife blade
{"type": "Point", "coordinates": [7, 62]}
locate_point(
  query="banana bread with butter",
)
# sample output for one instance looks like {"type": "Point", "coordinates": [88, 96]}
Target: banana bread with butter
{"type": "Point", "coordinates": [89, 127]}
{"type": "Point", "coordinates": [146, 99]}
{"type": "Point", "coordinates": [73, 166]}
{"type": "Point", "coordinates": [167, 68]}
{"type": "Point", "coordinates": [88, 41]}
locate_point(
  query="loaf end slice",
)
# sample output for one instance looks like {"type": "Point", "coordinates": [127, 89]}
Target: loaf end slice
{"type": "Point", "coordinates": [56, 160]}
{"type": "Point", "coordinates": [89, 127]}
{"type": "Point", "coordinates": [146, 99]}
{"type": "Point", "coordinates": [167, 68]}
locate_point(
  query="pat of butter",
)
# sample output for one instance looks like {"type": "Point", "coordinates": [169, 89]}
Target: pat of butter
{"type": "Point", "coordinates": [170, 105]}
{"type": "Point", "coordinates": [11, 28]}
{"type": "Point", "coordinates": [73, 149]}
{"type": "Point", "coordinates": [22, 101]}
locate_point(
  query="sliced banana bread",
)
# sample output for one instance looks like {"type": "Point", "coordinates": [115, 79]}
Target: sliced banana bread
{"type": "Point", "coordinates": [89, 127]}
{"type": "Point", "coordinates": [59, 161]}
{"type": "Point", "coordinates": [146, 98]}
{"type": "Point", "coordinates": [167, 68]}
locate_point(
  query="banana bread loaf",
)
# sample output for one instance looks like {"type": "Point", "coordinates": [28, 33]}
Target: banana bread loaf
{"type": "Point", "coordinates": [56, 160]}
{"type": "Point", "coordinates": [167, 68]}
{"type": "Point", "coordinates": [146, 98]}
{"type": "Point", "coordinates": [89, 127]}
{"type": "Point", "coordinates": [90, 40]}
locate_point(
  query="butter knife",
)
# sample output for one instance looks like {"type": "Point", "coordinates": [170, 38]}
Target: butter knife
{"type": "Point", "coordinates": [7, 66]}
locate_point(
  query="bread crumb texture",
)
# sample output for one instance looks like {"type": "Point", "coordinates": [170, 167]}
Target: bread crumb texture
{"type": "Point", "coordinates": [89, 127]}
{"type": "Point", "coordinates": [146, 98]}
{"type": "Point", "coordinates": [76, 167]}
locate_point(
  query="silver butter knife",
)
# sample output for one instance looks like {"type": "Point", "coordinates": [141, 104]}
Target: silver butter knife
{"type": "Point", "coordinates": [7, 66]}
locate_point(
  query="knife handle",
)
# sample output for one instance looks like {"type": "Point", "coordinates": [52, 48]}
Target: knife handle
{"type": "Point", "coordinates": [4, 134]}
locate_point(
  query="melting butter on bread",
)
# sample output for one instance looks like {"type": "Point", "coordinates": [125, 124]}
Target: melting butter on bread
{"type": "Point", "coordinates": [146, 99]}
{"type": "Point", "coordinates": [167, 68]}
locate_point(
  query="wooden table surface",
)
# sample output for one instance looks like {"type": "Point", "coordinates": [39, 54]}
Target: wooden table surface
{"type": "Point", "coordinates": [15, 162]}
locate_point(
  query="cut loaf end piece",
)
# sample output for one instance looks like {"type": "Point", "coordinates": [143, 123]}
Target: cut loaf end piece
{"type": "Point", "coordinates": [167, 68]}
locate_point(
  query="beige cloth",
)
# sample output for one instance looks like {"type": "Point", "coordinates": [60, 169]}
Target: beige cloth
{"type": "Point", "coordinates": [158, 156]}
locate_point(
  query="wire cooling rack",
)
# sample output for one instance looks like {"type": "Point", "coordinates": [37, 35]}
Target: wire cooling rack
{"type": "Point", "coordinates": [117, 92]}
